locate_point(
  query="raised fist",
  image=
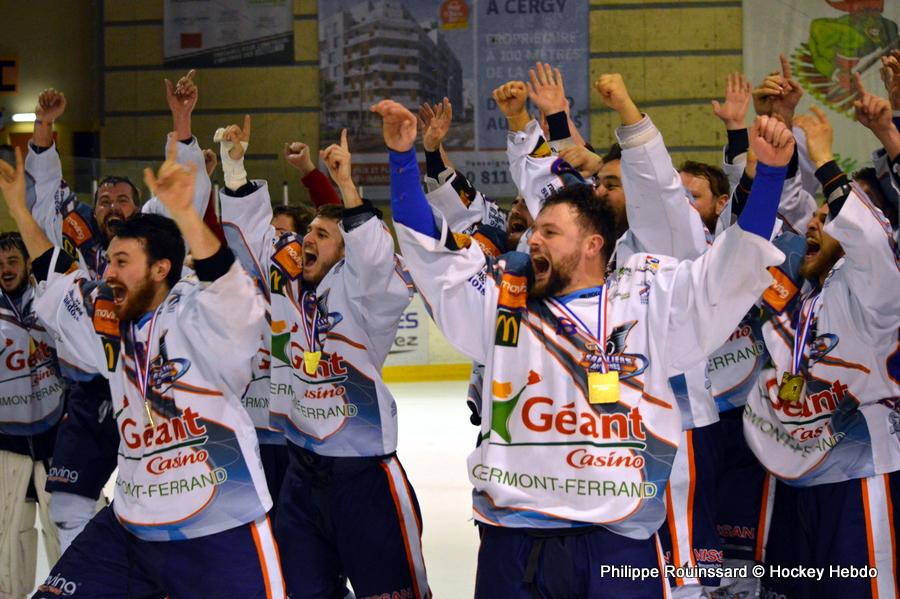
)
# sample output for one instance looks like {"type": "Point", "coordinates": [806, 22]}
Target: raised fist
{"type": "Point", "coordinates": [297, 155]}
{"type": "Point", "coordinates": [182, 97]}
{"type": "Point", "coordinates": [510, 98]}
{"type": "Point", "coordinates": [51, 105]}
{"type": "Point", "coordinates": [771, 141]}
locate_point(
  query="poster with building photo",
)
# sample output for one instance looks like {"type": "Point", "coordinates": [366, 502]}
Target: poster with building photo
{"type": "Point", "coordinates": [205, 33]}
{"type": "Point", "coordinates": [415, 51]}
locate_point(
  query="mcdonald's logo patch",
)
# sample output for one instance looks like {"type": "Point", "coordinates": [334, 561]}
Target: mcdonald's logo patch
{"type": "Point", "coordinates": [507, 334]}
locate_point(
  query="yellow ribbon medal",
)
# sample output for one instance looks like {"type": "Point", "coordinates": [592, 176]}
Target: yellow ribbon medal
{"type": "Point", "coordinates": [311, 362]}
{"type": "Point", "coordinates": [603, 387]}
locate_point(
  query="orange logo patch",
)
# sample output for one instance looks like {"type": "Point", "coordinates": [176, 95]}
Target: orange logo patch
{"type": "Point", "coordinates": [76, 229]}
{"type": "Point", "coordinates": [780, 293]}
{"type": "Point", "coordinates": [290, 259]}
{"type": "Point", "coordinates": [105, 320]}
{"type": "Point", "coordinates": [513, 291]}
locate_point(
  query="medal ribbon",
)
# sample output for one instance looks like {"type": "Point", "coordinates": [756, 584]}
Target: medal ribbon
{"type": "Point", "coordinates": [600, 337]}
{"type": "Point", "coordinates": [143, 374]}
{"type": "Point", "coordinates": [800, 337]}
{"type": "Point", "coordinates": [310, 327]}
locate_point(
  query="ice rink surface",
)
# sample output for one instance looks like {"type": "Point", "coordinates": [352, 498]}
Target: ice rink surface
{"type": "Point", "coordinates": [434, 440]}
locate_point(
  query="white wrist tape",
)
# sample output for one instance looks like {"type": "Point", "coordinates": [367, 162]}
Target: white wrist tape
{"type": "Point", "coordinates": [234, 171]}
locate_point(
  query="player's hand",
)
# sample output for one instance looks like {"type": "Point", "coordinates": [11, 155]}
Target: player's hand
{"type": "Point", "coordinates": [771, 141]}
{"type": "Point", "coordinates": [873, 112]}
{"type": "Point", "coordinates": [546, 89]}
{"type": "Point", "coordinates": [510, 98]}
{"type": "Point", "coordinates": [12, 183]}
{"type": "Point", "coordinates": [182, 97]}
{"type": "Point", "coordinates": [737, 99]}
{"type": "Point", "coordinates": [779, 93]}
{"type": "Point", "coordinates": [890, 75]}
{"type": "Point", "coordinates": [174, 184]}
{"type": "Point", "coordinates": [50, 106]}
{"type": "Point", "coordinates": [435, 123]}
{"type": "Point", "coordinates": [614, 94]}
{"type": "Point", "coordinates": [236, 135]}
{"type": "Point", "coordinates": [581, 159]}
{"type": "Point", "coordinates": [398, 125]}
{"type": "Point", "coordinates": [210, 162]}
{"type": "Point", "coordinates": [297, 155]}
{"type": "Point", "coordinates": [337, 158]}
{"type": "Point", "coordinates": [819, 136]}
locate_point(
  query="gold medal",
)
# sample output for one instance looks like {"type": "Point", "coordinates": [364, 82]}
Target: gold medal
{"type": "Point", "coordinates": [311, 362]}
{"type": "Point", "coordinates": [603, 387]}
{"type": "Point", "coordinates": [791, 388]}
{"type": "Point", "coordinates": [149, 413]}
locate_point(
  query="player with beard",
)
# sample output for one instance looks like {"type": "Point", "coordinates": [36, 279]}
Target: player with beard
{"type": "Point", "coordinates": [336, 302]}
{"type": "Point", "coordinates": [823, 423]}
{"type": "Point", "coordinates": [31, 393]}
{"type": "Point", "coordinates": [85, 453]}
{"type": "Point", "coordinates": [575, 362]}
{"type": "Point", "coordinates": [190, 491]}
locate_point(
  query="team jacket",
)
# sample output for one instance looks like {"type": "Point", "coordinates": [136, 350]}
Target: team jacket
{"type": "Point", "coordinates": [343, 409]}
{"type": "Point", "coordinates": [847, 424]}
{"type": "Point", "coordinates": [547, 457]}
{"type": "Point", "coordinates": [194, 469]}
{"type": "Point", "coordinates": [31, 389]}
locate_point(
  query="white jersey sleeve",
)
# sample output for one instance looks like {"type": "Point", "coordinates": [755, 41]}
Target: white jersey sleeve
{"type": "Point", "coordinates": [660, 213]}
{"type": "Point", "coordinates": [797, 205]}
{"type": "Point", "coordinates": [221, 342]}
{"type": "Point", "coordinates": [444, 197]}
{"type": "Point", "coordinates": [872, 268]}
{"type": "Point", "coordinates": [246, 222]}
{"type": "Point", "coordinates": [532, 165]}
{"type": "Point", "coordinates": [705, 292]}
{"type": "Point", "coordinates": [46, 169]}
{"type": "Point", "coordinates": [70, 307]}
{"type": "Point", "coordinates": [456, 286]}
{"type": "Point", "coordinates": [189, 155]}
{"type": "Point", "coordinates": [375, 280]}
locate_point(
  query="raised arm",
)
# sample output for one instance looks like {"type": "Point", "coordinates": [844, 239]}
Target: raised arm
{"type": "Point", "coordinates": [316, 183]}
{"type": "Point", "coordinates": [660, 213]}
{"type": "Point", "coordinates": [44, 167]}
{"type": "Point", "coordinates": [453, 281]}
{"type": "Point", "coordinates": [182, 99]}
{"type": "Point", "coordinates": [711, 294]}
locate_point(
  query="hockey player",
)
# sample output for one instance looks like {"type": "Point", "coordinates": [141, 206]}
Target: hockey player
{"type": "Point", "coordinates": [190, 491]}
{"type": "Point", "coordinates": [85, 453]}
{"type": "Point", "coordinates": [238, 190]}
{"type": "Point", "coordinates": [336, 304]}
{"type": "Point", "coordinates": [571, 365]}
{"type": "Point", "coordinates": [827, 424]}
{"type": "Point", "coordinates": [31, 392]}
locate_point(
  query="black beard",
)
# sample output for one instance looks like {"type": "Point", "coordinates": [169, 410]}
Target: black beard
{"type": "Point", "coordinates": [559, 279]}
{"type": "Point", "coordinates": [139, 304]}
{"type": "Point", "coordinates": [19, 289]}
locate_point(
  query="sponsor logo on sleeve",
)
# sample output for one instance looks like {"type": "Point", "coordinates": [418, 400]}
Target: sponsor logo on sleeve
{"type": "Point", "coordinates": [290, 259]}
{"type": "Point", "coordinates": [76, 229]}
{"type": "Point", "coordinates": [105, 320]}
{"type": "Point", "coordinates": [507, 333]}
{"type": "Point", "coordinates": [780, 293]}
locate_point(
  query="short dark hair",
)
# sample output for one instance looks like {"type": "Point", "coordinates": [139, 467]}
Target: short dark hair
{"type": "Point", "coordinates": [594, 214]}
{"type": "Point", "coordinates": [718, 182]}
{"type": "Point", "coordinates": [161, 238]}
{"type": "Point", "coordinates": [331, 211]}
{"type": "Point", "coordinates": [301, 216]}
{"type": "Point", "coordinates": [615, 153]}
{"type": "Point", "coordinates": [115, 179]}
{"type": "Point", "coordinates": [12, 240]}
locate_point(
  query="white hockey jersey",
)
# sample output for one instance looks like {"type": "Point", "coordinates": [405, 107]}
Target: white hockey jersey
{"type": "Point", "coordinates": [547, 457]}
{"type": "Point", "coordinates": [193, 469]}
{"type": "Point", "coordinates": [31, 390]}
{"type": "Point", "coordinates": [344, 408]}
{"type": "Point", "coordinates": [847, 424]}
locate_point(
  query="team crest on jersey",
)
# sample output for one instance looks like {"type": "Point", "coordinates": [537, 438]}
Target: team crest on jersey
{"type": "Point", "coordinates": [627, 365]}
{"type": "Point", "coordinates": [164, 371]}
